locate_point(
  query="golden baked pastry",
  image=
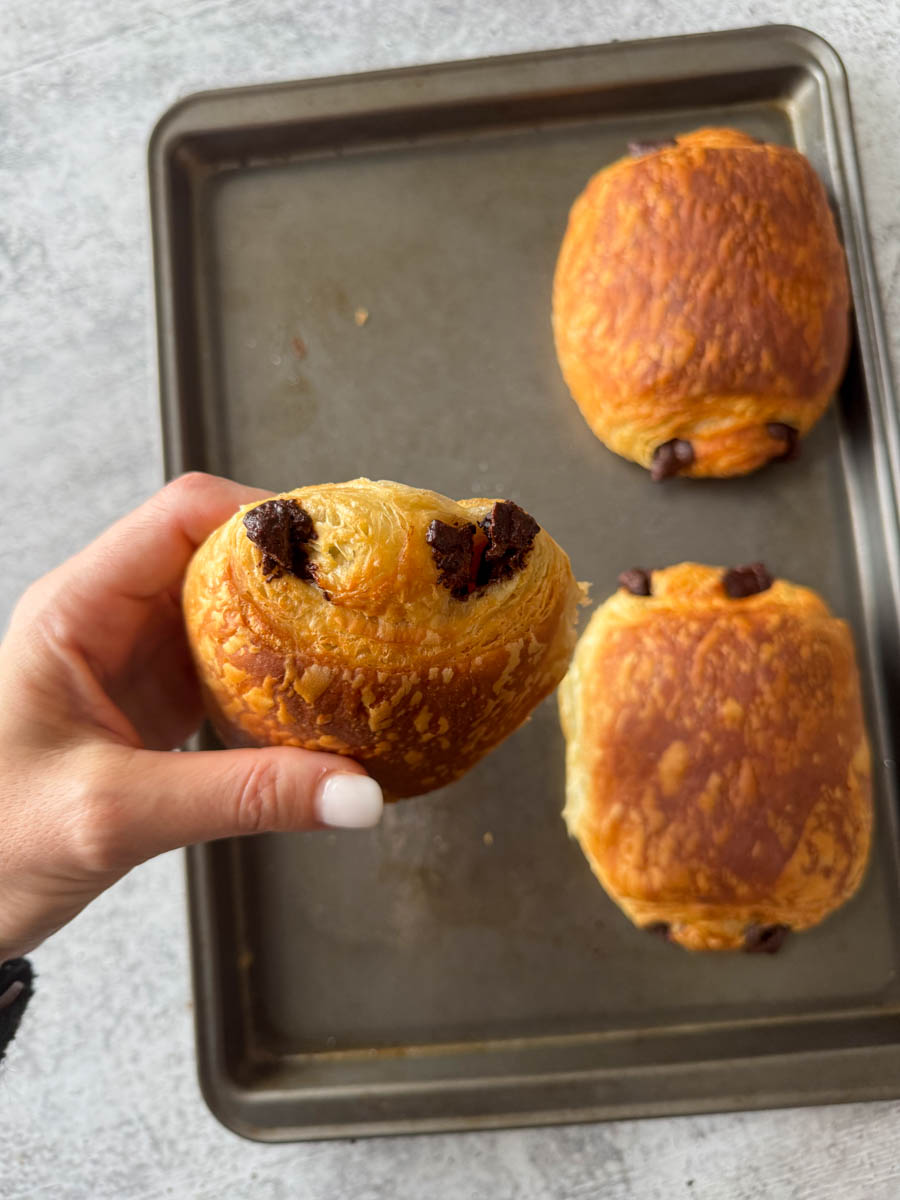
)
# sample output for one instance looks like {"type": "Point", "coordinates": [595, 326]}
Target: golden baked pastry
{"type": "Point", "coordinates": [379, 621]}
{"type": "Point", "coordinates": [700, 304]}
{"type": "Point", "coordinates": [717, 767]}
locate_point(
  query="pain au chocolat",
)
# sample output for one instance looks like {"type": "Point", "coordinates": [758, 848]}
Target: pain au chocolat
{"type": "Point", "coordinates": [379, 621]}
{"type": "Point", "coordinates": [718, 773]}
{"type": "Point", "coordinates": [700, 304]}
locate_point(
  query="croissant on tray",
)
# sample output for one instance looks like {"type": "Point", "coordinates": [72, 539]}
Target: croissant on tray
{"type": "Point", "coordinates": [718, 772]}
{"type": "Point", "coordinates": [700, 304]}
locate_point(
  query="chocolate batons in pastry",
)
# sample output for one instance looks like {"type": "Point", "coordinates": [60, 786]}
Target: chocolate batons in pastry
{"type": "Point", "coordinates": [379, 621]}
{"type": "Point", "coordinates": [700, 304]}
{"type": "Point", "coordinates": [717, 766]}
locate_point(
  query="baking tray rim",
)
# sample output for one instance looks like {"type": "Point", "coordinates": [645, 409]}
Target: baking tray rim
{"type": "Point", "coordinates": [167, 126]}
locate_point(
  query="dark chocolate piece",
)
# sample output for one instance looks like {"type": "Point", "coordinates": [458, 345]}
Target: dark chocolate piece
{"type": "Point", "coordinates": [787, 434]}
{"type": "Point", "coordinates": [765, 939]}
{"type": "Point", "coordinates": [637, 149]}
{"type": "Point", "coordinates": [637, 581]}
{"type": "Point", "coordinates": [281, 529]}
{"type": "Point", "coordinates": [658, 929]}
{"type": "Point", "coordinates": [748, 580]}
{"type": "Point", "coordinates": [451, 547]}
{"type": "Point", "coordinates": [670, 457]}
{"type": "Point", "coordinates": [510, 533]}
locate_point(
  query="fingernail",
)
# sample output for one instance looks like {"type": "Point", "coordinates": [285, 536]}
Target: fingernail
{"type": "Point", "coordinates": [349, 802]}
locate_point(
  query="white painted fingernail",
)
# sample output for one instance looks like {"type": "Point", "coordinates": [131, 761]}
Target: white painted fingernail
{"type": "Point", "coordinates": [349, 802]}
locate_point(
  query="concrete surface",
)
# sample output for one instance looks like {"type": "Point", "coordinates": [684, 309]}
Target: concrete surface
{"type": "Point", "coordinates": [98, 1098]}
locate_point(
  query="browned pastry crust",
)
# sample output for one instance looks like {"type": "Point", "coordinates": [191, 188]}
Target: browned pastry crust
{"type": "Point", "coordinates": [361, 636]}
{"type": "Point", "coordinates": [718, 773]}
{"type": "Point", "coordinates": [701, 295]}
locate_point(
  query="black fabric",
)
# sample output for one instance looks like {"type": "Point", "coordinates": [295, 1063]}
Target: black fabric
{"type": "Point", "coordinates": [16, 987]}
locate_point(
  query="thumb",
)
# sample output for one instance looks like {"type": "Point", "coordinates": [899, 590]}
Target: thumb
{"type": "Point", "coordinates": [170, 799]}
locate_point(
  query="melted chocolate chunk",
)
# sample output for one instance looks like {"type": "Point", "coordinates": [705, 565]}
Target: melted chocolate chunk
{"type": "Point", "coordinates": [510, 533]}
{"type": "Point", "coordinates": [787, 434]}
{"type": "Point", "coordinates": [637, 581]}
{"type": "Point", "coordinates": [765, 939]}
{"type": "Point", "coordinates": [451, 547]}
{"type": "Point", "coordinates": [636, 149]}
{"type": "Point", "coordinates": [281, 529]}
{"type": "Point", "coordinates": [670, 457]}
{"type": "Point", "coordinates": [658, 929]}
{"type": "Point", "coordinates": [748, 580]}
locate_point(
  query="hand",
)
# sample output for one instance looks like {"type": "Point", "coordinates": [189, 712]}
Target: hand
{"type": "Point", "coordinates": [96, 686]}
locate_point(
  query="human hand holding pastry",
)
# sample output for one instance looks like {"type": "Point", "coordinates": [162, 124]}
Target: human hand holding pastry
{"type": "Point", "coordinates": [97, 686]}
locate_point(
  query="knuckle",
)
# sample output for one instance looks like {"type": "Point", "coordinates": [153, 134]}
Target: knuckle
{"type": "Point", "coordinates": [189, 484]}
{"type": "Point", "coordinates": [178, 494]}
{"type": "Point", "coordinates": [35, 606]}
{"type": "Point", "coordinates": [32, 599]}
{"type": "Point", "coordinates": [98, 839]}
{"type": "Point", "coordinates": [260, 798]}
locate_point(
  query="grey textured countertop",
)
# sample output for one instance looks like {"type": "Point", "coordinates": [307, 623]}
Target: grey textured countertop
{"type": "Point", "coordinates": [99, 1098]}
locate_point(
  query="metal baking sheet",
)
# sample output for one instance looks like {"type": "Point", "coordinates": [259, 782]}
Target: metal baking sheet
{"type": "Point", "coordinates": [353, 277]}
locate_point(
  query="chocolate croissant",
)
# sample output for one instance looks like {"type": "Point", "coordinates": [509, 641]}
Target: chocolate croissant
{"type": "Point", "coordinates": [717, 765]}
{"type": "Point", "coordinates": [379, 621]}
{"type": "Point", "coordinates": [700, 304]}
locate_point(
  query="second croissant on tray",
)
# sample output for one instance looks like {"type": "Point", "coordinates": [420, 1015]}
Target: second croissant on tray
{"type": "Point", "coordinates": [700, 304]}
{"type": "Point", "coordinates": [718, 769]}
